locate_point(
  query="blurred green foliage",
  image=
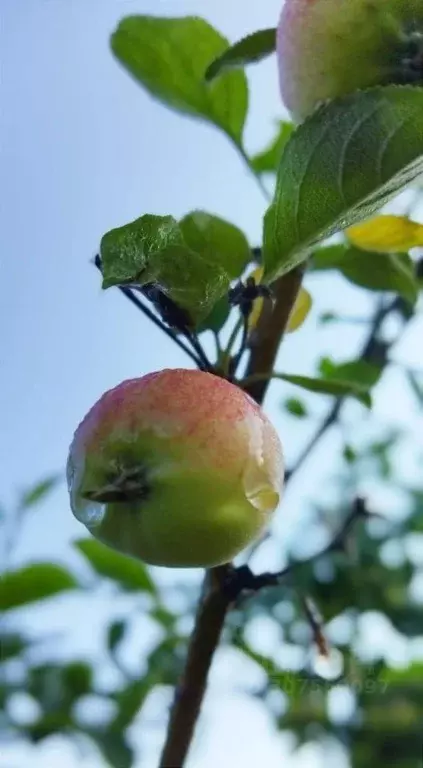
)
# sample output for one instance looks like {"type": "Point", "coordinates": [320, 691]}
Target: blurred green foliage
{"type": "Point", "coordinates": [384, 722]}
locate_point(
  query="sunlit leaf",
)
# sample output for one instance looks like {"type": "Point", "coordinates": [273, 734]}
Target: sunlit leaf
{"type": "Point", "coordinates": [300, 310]}
{"type": "Point", "coordinates": [254, 316]}
{"type": "Point", "coordinates": [386, 234]}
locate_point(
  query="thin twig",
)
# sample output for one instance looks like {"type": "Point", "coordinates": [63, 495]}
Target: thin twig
{"type": "Point", "coordinates": [152, 317]}
{"type": "Point", "coordinates": [205, 363]}
{"type": "Point", "coordinates": [316, 625]}
{"type": "Point", "coordinates": [167, 331]}
{"type": "Point", "coordinates": [234, 363]}
{"type": "Point", "coordinates": [244, 581]}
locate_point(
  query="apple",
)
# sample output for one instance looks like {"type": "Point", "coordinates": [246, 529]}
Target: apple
{"type": "Point", "coordinates": [179, 468]}
{"type": "Point", "coordinates": [329, 48]}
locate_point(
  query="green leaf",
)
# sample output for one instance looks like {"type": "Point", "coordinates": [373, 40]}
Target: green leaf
{"type": "Point", "coordinates": [32, 583]}
{"type": "Point", "coordinates": [374, 271]}
{"type": "Point", "coordinates": [152, 249]}
{"type": "Point", "coordinates": [296, 407]}
{"type": "Point", "coordinates": [249, 50]}
{"type": "Point", "coordinates": [169, 57]}
{"type": "Point", "coordinates": [77, 678]}
{"type": "Point", "coordinates": [328, 257]}
{"type": "Point", "coordinates": [38, 492]}
{"type": "Point", "coordinates": [129, 702]}
{"type": "Point", "coordinates": [54, 722]}
{"type": "Point", "coordinates": [113, 747]}
{"type": "Point", "coordinates": [349, 454]}
{"type": "Point", "coordinates": [115, 634]}
{"type": "Point", "coordinates": [416, 386]}
{"type": "Point", "coordinates": [355, 372]}
{"type": "Point", "coordinates": [329, 317]}
{"type": "Point", "coordinates": [339, 167]}
{"type": "Point", "coordinates": [268, 160]}
{"type": "Point", "coordinates": [221, 243]}
{"type": "Point", "coordinates": [130, 574]}
{"type": "Point", "coordinates": [217, 318]}
{"type": "Point", "coordinates": [12, 645]}
{"type": "Point", "coordinates": [217, 241]}
{"type": "Point", "coordinates": [329, 387]}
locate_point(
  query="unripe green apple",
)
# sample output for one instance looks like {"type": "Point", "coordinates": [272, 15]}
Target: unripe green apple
{"type": "Point", "coordinates": [178, 468]}
{"type": "Point", "coordinates": [329, 48]}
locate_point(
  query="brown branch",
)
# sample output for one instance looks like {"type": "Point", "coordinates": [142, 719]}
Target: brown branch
{"type": "Point", "coordinates": [190, 691]}
{"type": "Point", "coordinates": [316, 626]}
{"type": "Point", "coordinates": [220, 583]}
{"type": "Point", "coordinates": [270, 330]}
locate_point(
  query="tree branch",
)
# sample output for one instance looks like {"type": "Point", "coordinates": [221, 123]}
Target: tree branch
{"type": "Point", "coordinates": [270, 330]}
{"type": "Point", "coordinates": [244, 581]}
{"type": "Point", "coordinates": [218, 590]}
{"type": "Point", "coordinates": [190, 691]}
{"type": "Point", "coordinates": [128, 292]}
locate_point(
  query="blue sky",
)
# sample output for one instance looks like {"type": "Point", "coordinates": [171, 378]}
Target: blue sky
{"type": "Point", "coordinates": [85, 150]}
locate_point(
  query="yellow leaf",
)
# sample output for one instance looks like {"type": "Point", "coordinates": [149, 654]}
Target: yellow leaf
{"type": "Point", "coordinates": [386, 234]}
{"type": "Point", "coordinates": [300, 310]}
{"type": "Point", "coordinates": [257, 274]}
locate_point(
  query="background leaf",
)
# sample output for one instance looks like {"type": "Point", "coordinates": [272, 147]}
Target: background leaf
{"type": "Point", "coordinates": [374, 271]}
{"type": "Point", "coordinates": [354, 372]}
{"type": "Point", "coordinates": [169, 58]}
{"type": "Point", "coordinates": [300, 310]}
{"type": "Point", "coordinates": [267, 161]}
{"type": "Point", "coordinates": [115, 634]}
{"type": "Point", "coordinates": [295, 407]}
{"type": "Point", "coordinates": [34, 582]}
{"type": "Point", "coordinates": [329, 387]}
{"type": "Point", "coordinates": [113, 747]}
{"type": "Point", "coordinates": [250, 49]}
{"type": "Point", "coordinates": [38, 492]}
{"type": "Point", "coordinates": [130, 574]}
{"type": "Point", "coordinates": [340, 166]}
